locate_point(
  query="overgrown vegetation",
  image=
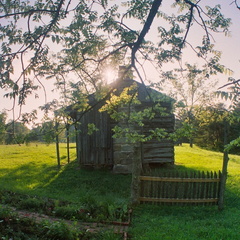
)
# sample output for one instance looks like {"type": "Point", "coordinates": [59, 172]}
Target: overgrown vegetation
{"type": "Point", "coordinates": [89, 209]}
{"type": "Point", "coordinates": [14, 227]}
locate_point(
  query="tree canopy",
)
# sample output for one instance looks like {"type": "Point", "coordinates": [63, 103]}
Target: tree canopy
{"type": "Point", "coordinates": [77, 40]}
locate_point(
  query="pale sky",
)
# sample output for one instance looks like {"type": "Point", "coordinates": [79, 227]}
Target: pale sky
{"type": "Point", "coordinates": [229, 46]}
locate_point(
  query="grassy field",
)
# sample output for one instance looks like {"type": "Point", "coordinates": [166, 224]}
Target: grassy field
{"type": "Point", "coordinates": [33, 170]}
{"type": "Point", "coordinates": [193, 222]}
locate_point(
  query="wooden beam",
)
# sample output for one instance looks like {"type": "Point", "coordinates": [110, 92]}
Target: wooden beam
{"type": "Point", "coordinates": [171, 200]}
{"type": "Point", "coordinates": [169, 179]}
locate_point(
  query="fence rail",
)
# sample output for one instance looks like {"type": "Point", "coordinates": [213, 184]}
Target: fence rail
{"type": "Point", "coordinates": [181, 187]}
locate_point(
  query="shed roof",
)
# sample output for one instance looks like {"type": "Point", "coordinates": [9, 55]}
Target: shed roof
{"type": "Point", "coordinates": [145, 94]}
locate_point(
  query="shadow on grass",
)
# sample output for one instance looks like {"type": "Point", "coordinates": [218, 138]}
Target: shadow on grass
{"type": "Point", "coordinates": [69, 183]}
{"type": "Point", "coordinates": [27, 177]}
{"type": "Point", "coordinates": [75, 183]}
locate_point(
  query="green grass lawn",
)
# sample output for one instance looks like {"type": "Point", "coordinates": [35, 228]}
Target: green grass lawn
{"type": "Point", "coordinates": [193, 222]}
{"type": "Point", "coordinates": [33, 170]}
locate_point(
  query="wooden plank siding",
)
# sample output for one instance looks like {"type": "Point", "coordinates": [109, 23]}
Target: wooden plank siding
{"type": "Point", "coordinates": [155, 151]}
{"type": "Point", "coordinates": [96, 148]}
{"type": "Point", "coordinates": [158, 151]}
{"type": "Point", "coordinates": [181, 188]}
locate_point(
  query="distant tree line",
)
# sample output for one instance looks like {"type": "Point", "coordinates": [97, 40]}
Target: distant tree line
{"type": "Point", "coordinates": [15, 132]}
{"type": "Point", "coordinates": [206, 128]}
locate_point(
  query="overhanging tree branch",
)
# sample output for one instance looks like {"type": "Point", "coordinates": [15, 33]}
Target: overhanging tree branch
{"type": "Point", "coordinates": [236, 4]}
{"type": "Point", "coordinates": [154, 9]}
{"type": "Point", "coordinates": [231, 83]}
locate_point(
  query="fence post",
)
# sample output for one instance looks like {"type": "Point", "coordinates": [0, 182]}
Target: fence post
{"type": "Point", "coordinates": [223, 181]}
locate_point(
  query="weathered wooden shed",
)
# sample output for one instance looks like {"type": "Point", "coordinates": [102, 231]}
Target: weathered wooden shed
{"type": "Point", "coordinates": [101, 149]}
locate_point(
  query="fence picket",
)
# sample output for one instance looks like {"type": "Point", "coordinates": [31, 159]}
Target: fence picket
{"type": "Point", "coordinates": [180, 187]}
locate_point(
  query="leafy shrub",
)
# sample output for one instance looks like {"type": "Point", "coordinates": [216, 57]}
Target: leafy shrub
{"type": "Point", "coordinates": [8, 197]}
{"type": "Point", "coordinates": [104, 211]}
{"type": "Point", "coordinates": [31, 204]}
{"type": "Point", "coordinates": [66, 212]}
{"type": "Point", "coordinates": [5, 213]}
{"type": "Point", "coordinates": [57, 231]}
{"type": "Point", "coordinates": [13, 227]}
{"type": "Point", "coordinates": [118, 213]}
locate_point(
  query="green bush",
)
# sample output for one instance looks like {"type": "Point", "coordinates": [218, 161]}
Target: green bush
{"type": "Point", "coordinates": [33, 204]}
{"type": "Point", "coordinates": [104, 211]}
{"type": "Point", "coordinates": [57, 231]}
{"type": "Point", "coordinates": [67, 212]}
{"type": "Point", "coordinates": [13, 227]}
{"type": "Point", "coordinates": [12, 198]}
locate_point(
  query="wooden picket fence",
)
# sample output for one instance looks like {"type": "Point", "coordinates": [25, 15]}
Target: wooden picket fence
{"type": "Point", "coordinates": [180, 188]}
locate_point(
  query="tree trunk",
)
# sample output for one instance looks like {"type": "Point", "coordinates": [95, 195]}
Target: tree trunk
{"type": "Point", "coordinates": [77, 145]}
{"type": "Point", "coordinates": [191, 142]}
{"type": "Point", "coordinates": [136, 171]}
{"type": "Point", "coordinates": [57, 145]}
{"type": "Point", "coordinates": [224, 171]}
{"type": "Point", "coordinates": [68, 145]}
